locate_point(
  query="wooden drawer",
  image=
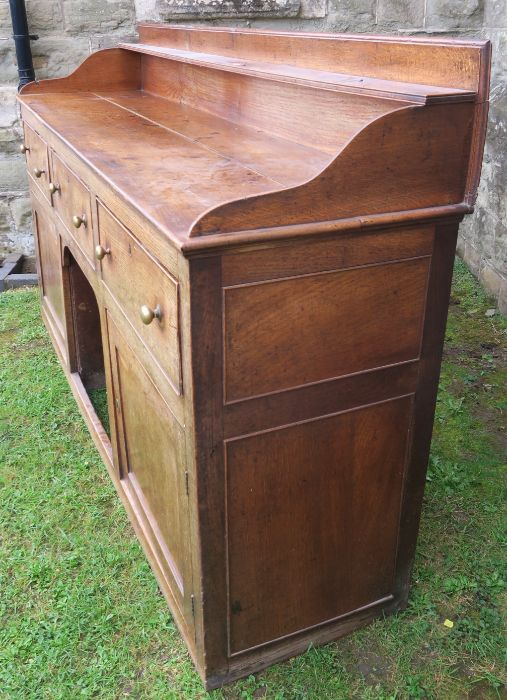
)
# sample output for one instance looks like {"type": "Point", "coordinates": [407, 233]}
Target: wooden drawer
{"type": "Point", "coordinates": [137, 282]}
{"type": "Point", "coordinates": [71, 200]}
{"type": "Point", "coordinates": [37, 161]}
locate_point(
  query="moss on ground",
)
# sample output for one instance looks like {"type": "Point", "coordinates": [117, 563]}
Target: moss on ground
{"type": "Point", "coordinates": [80, 613]}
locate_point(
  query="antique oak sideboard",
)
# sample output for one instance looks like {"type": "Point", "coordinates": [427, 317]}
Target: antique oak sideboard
{"type": "Point", "coordinates": [246, 239]}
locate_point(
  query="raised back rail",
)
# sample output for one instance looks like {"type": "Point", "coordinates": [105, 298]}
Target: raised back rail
{"type": "Point", "coordinates": [286, 129]}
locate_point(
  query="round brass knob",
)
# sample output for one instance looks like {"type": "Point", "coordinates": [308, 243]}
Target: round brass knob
{"type": "Point", "coordinates": [101, 252]}
{"type": "Point", "coordinates": [38, 172]}
{"type": "Point", "coordinates": [147, 314]}
{"type": "Point", "coordinates": [54, 188]}
{"type": "Point", "coordinates": [24, 149]}
{"type": "Point", "coordinates": [78, 221]}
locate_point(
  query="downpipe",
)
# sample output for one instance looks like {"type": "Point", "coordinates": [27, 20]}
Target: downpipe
{"type": "Point", "coordinates": [22, 38]}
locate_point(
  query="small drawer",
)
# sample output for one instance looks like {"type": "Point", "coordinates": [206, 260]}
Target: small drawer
{"type": "Point", "coordinates": [37, 161]}
{"type": "Point", "coordinates": [146, 293]}
{"type": "Point", "coordinates": [71, 200]}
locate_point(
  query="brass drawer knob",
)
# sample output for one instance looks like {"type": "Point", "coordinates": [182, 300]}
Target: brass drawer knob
{"type": "Point", "coordinates": [101, 252]}
{"type": "Point", "coordinates": [78, 221]}
{"type": "Point", "coordinates": [147, 314]}
{"type": "Point", "coordinates": [54, 188]}
{"type": "Point", "coordinates": [24, 148]}
{"type": "Point", "coordinates": [38, 172]}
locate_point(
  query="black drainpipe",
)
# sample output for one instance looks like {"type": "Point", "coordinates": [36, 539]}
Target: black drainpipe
{"type": "Point", "coordinates": [22, 42]}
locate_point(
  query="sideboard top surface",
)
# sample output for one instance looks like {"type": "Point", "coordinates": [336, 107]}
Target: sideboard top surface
{"type": "Point", "coordinates": [214, 131]}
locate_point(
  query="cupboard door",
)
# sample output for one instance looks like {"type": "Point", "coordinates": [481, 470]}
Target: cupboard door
{"type": "Point", "coordinates": [151, 456]}
{"type": "Point", "coordinates": [50, 268]}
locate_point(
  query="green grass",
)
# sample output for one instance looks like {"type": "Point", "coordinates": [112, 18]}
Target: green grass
{"type": "Point", "coordinates": [81, 615]}
{"type": "Point", "coordinates": [98, 398]}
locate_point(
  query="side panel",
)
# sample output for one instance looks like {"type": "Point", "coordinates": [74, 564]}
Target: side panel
{"type": "Point", "coordinates": [320, 423]}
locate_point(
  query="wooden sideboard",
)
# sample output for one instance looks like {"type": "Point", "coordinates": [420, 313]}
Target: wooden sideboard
{"type": "Point", "coordinates": [246, 239]}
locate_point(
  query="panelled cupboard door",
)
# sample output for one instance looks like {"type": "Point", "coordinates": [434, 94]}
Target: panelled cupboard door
{"type": "Point", "coordinates": [50, 268]}
{"type": "Point", "coordinates": [151, 455]}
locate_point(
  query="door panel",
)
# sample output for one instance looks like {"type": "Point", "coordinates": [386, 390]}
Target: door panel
{"type": "Point", "coordinates": [50, 267]}
{"type": "Point", "coordinates": [152, 464]}
{"type": "Point", "coordinates": [316, 508]}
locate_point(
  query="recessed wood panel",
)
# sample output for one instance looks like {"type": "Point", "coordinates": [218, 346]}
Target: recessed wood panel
{"type": "Point", "coordinates": [312, 520]}
{"type": "Point", "coordinates": [152, 460]}
{"type": "Point", "coordinates": [342, 251]}
{"type": "Point", "coordinates": [295, 331]}
{"type": "Point", "coordinates": [50, 266]}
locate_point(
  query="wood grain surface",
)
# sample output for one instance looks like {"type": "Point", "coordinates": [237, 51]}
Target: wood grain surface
{"type": "Point", "coordinates": [259, 281]}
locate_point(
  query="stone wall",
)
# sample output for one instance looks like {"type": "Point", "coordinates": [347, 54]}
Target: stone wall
{"type": "Point", "coordinates": [70, 28]}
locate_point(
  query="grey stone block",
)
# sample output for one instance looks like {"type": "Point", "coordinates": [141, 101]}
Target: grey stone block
{"type": "Point", "coordinates": [11, 264]}
{"type": "Point", "coordinates": [491, 280]}
{"type": "Point", "coordinates": [352, 15]}
{"type": "Point", "coordinates": [10, 127]}
{"type": "Point", "coordinates": [208, 9]}
{"type": "Point", "coordinates": [44, 15]}
{"type": "Point", "coordinates": [495, 13]}
{"type": "Point", "coordinates": [313, 9]}
{"type": "Point", "coordinates": [13, 174]}
{"type": "Point", "coordinates": [454, 14]}
{"type": "Point", "coordinates": [404, 13]}
{"type": "Point", "coordinates": [500, 248]}
{"type": "Point", "coordinates": [108, 41]}
{"type": "Point", "coordinates": [21, 280]}
{"type": "Point", "coordinates": [12, 240]}
{"type": "Point", "coordinates": [8, 66]}
{"type": "Point", "coordinates": [498, 40]}
{"type": "Point", "coordinates": [472, 257]}
{"type": "Point", "coordinates": [6, 223]}
{"type": "Point", "coordinates": [146, 10]}
{"type": "Point", "coordinates": [5, 20]}
{"type": "Point", "coordinates": [460, 247]}
{"type": "Point", "coordinates": [21, 210]}
{"type": "Point", "coordinates": [96, 16]}
{"type": "Point", "coordinates": [55, 56]}
{"type": "Point", "coordinates": [502, 298]}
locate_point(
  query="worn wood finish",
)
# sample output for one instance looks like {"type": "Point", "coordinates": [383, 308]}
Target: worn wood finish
{"type": "Point", "coordinates": [263, 295]}
{"type": "Point", "coordinates": [48, 247]}
{"type": "Point", "coordinates": [152, 463]}
{"type": "Point", "coordinates": [37, 160]}
{"type": "Point", "coordinates": [71, 198]}
{"type": "Point", "coordinates": [324, 541]}
{"type": "Point", "coordinates": [263, 355]}
{"type": "Point", "coordinates": [124, 254]}
{"type": "Point", "coordinates": [418, 60]}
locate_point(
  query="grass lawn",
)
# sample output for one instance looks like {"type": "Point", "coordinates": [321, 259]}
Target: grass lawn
{"type": "Point", "coordinates": [80, 612]}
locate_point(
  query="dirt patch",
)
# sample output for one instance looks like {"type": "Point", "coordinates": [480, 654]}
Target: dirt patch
{"type": "Point", "coordinates": [373, 667]}
{"type": "Point", "coordinates": [483, 691]}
